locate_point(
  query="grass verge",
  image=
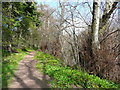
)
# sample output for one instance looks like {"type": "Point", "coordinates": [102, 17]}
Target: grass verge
{"type": "Point", "coordinates": [65, 77]}
{"type": "Point", "coordinates": [9, 66]}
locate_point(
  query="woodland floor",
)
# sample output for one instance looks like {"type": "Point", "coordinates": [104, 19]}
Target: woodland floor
{"type": "Point", "coordinates": [27, 76]}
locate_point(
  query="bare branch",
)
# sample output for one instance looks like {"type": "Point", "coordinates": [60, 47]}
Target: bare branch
{"type": "Point", "coordinates": [109, 35]}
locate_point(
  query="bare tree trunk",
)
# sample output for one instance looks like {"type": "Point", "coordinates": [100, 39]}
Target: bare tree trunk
{"type": "Point", "coordinates": [95, 24]}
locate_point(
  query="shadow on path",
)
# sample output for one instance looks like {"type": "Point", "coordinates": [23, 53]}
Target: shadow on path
{"type": "Point", "coordinates": [27, 75]}
{"type": "Point", "coordinates": [18, 79]}
{"type": "Point", "coordinates": [41, 81]}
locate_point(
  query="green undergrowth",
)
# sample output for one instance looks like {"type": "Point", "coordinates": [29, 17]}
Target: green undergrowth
{"type": "Point", "coordinates": [65, 77]}
{"type": "Point", "coordinates": [9, 66]}
{"type": "Point", "coordinates": [6, 53]}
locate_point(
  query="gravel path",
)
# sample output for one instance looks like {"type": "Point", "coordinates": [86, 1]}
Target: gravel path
{"type": "Point", "coordinates": [27, 76]}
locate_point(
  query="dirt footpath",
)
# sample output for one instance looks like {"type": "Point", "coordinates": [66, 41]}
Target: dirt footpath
{"type": "Point", "coordinates": [27, 76]}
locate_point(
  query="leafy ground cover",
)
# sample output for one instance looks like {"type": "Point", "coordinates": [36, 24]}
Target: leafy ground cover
{"type": "Point", "coordinates": [66, 77]}
{"type": "Point", "coordinates": [9, 66]}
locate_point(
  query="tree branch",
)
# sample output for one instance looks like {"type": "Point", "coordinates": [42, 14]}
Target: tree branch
{"type": "Point", "coordinates": [106, 16]}
{"type": "Point", "coordinates": [109, 35]}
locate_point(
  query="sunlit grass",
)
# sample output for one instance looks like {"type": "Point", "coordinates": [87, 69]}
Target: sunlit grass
{"type": "Point", "coordinates": [66, 77]}
{"type": "Point", "coordinates": [9, 66]}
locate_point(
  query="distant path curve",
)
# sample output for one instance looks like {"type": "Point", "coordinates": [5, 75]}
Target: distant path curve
{"type": "Point", "coordinates": [27, 76]}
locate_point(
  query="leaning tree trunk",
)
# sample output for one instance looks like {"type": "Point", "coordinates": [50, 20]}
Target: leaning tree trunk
{"type": "Point", "coordinates": [109, 9]}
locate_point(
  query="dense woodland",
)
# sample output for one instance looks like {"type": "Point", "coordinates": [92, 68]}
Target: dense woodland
{"type": "Point", "coordinates": [82, 35]}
